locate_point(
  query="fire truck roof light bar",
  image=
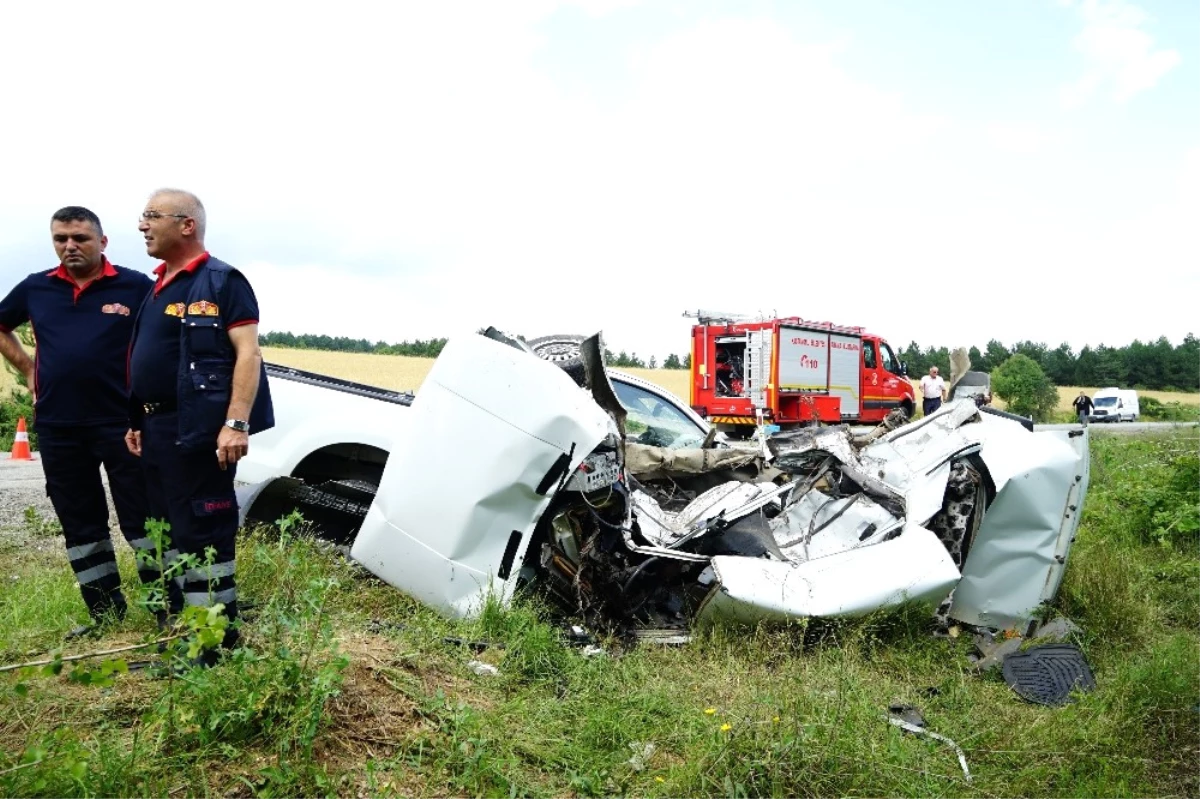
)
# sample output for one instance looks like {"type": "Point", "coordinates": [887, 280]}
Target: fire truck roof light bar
{"type": "Point", "coordinates": [709, 317]}
{"type": "Point", "coordinates": [706, 317]}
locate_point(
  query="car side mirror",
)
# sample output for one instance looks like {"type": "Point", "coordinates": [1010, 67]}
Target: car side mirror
{"type": "Point", "coordinates": [904, 368]}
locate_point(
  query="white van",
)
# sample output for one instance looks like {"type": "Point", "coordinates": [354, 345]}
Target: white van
{"type": "Point", "coordinates": [1115, 405]}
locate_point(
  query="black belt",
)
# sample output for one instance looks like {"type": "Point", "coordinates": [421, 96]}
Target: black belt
{"type": "Point", "coordinates": [151, 408]}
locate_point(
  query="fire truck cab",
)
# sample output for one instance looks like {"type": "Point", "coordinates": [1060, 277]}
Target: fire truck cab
{"type": "Point", "coordinates": [792, 371]}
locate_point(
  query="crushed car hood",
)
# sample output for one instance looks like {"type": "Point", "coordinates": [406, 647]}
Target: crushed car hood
{"type": "Point", "coordinates": [867, 545]}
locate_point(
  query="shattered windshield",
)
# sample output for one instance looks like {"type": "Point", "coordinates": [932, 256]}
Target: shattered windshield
{"type": "Point", "coordinates": [655, 422]}
{"type": "Point", "coordinates": [1105, 402]}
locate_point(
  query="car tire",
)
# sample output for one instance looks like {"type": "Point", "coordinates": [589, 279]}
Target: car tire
{"type": "Point", "coordinates": [562, 350]}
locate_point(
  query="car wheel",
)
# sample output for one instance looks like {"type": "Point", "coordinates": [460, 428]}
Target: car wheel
{"type": "Point", "coordinates": [561, 349]}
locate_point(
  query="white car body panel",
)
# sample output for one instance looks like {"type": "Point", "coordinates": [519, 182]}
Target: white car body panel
{"type": "Point", "coordinates": [309, 418]}
{"type": "Point", "coordinates": [1019, 554]}
{"type": "Point", "coordinates": [486, 428]}
{"type": "Point", "coordinates": [914, 566]}
{"type": "Point", "coordinates": [854, 516]}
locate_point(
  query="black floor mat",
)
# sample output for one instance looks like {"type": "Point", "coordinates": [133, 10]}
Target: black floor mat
{"type": "Point", "coordinates": [1047, 674]}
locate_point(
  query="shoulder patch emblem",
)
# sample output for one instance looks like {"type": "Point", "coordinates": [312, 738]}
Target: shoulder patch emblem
{"type": "Point", "coordinates": [174, 309]}
{"type": "Point", "coordinates": [115, 307]}
{"type": "Point", "coordinates": [203, 308]}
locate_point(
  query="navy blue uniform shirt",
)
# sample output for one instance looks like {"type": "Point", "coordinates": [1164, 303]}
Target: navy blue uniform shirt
{"type": "Point", "coordinates": [154, 361]}
{"type": "Point", "coordinates": [83, 339]}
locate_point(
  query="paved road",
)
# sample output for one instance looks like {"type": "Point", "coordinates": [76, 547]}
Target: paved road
{"type": "Point", "coordinates": [21, 486]}
{"type": "Point", "coordinates": [1119, 427]}
{"type": "Point", "coordinates": [21, 473]}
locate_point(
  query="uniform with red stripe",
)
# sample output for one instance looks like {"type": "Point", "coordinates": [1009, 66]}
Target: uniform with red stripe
{"type": "Point", "coordinates": [82, 316]}
{"type": "Point", "coordinates": [198, 387]}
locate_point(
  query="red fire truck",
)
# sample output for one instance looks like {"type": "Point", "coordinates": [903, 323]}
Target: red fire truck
{"type": "Point", "coordinates": [792, 371]}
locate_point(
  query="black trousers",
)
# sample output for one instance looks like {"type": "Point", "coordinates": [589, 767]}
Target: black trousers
{"type": "Point", "coordinates": [196, 497]}
{"type": "Point", "coordinates": [71, 460]}
{"type": "Point", "coordinates": [929, 405]}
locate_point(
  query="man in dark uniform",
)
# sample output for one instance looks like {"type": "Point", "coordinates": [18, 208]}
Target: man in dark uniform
{"type": "Point", "coordinates": [198, 390]}
{"type": "Point", "coordinates": [82, 314]}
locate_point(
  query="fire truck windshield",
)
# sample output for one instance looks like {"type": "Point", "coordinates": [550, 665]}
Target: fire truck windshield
{"type": "Point", "coordinates": [889, 360]}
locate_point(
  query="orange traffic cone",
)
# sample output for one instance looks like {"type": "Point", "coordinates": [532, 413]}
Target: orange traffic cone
{"type": "Point", "coordinates": [20, 450]}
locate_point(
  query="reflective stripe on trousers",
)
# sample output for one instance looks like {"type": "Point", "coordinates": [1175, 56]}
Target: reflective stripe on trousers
{"type": "Point", "coordinates": [208, 585]}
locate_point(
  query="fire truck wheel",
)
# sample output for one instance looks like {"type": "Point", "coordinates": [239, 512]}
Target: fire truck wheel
{"type": "Point", "coordinates": [561, 349]}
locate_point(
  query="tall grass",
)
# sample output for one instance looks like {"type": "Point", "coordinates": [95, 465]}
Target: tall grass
{"type": "Point", "coordinates": [349, 688]}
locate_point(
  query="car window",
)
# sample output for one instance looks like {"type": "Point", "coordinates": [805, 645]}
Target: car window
{"type": "Point", "coordinates": [869, 354]}
{"type": "Point", "coordinates": [654, 421]}
{"type": "Point", "coordinates": [889, 360]}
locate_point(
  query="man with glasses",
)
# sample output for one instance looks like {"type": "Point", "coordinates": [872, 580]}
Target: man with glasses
{"type": "Point", "coordinates": [199, 388]}
{"type": "Point", "coordinates": [82, 313]}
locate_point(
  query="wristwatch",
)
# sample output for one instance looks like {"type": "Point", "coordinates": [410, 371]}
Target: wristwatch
{"type": "Point", "coordinates": [240, 425]}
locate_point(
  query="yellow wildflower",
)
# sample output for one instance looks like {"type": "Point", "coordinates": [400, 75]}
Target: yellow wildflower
{"type": "Point", "coordinates": [708, 711]}
{"type": "Point", "coordinates": [726, 727]}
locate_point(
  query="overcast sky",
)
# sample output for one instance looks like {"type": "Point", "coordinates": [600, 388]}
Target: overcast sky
{"type": "Point", "coordinates": [940, 171]}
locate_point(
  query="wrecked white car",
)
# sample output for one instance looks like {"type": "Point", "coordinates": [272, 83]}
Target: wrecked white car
{"type": "Point", "coordinates": [515, 473]}
{"type": "Point", "coordinates": [332, 438]}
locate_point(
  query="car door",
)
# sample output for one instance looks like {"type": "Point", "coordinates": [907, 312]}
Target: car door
{"type": "Point", "coordinates": [491, 432]}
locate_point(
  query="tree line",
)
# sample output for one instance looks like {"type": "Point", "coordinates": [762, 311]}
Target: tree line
{"type": "Point", "coordinates": [1158, 365]}
{"type": "Point", "coordinates": [419, 348]}
{"type": "Point", "coordinates": [431, 348]}
{"type": "Point", "coordinates": [624, 359]}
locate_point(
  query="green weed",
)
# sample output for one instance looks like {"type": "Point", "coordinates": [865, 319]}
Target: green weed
{"type": "Point", "coordinates": [344, 687]}
{"type": "Point", "coordinates": [40, 526]}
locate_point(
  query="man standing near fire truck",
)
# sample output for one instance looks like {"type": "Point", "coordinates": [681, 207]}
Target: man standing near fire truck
{"type": "Point", "coordinates": [933, 391]}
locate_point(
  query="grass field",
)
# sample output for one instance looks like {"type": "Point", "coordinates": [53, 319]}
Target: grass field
{"type": "Point", "coordinates": [348, 688]}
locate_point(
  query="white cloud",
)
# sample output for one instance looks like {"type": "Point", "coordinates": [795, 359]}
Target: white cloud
{"type": "Point", "coordinates": [1120, 58]}
{"type": "Point", "coordinates": [407, 171]}
{"type": "Point", "coordinates": [600, 8]}
{"type": "Point", "coordinates": [1189, 181]}
{"type": "Point", "coordinates": [1021, 138]}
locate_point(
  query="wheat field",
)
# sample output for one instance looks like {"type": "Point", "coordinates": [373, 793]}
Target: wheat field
{"type": "Point", "coordinates": [404, 373]}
